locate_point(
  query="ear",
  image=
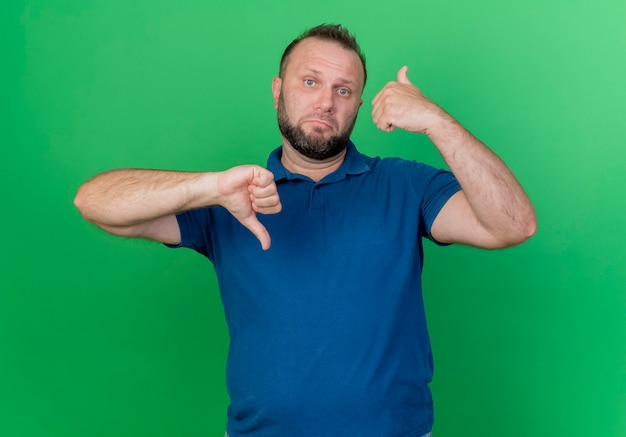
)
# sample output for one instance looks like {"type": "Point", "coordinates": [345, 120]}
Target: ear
{"type": "Point", "coordinates": [277, 83]}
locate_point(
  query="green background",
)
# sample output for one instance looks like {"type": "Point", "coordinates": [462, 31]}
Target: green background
{"type": "Point", "coordinates": [101, 336]}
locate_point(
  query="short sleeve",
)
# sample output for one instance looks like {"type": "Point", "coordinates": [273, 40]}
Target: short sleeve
{"type": "Point", "coordinates": [195, 226]}
{"type": "Point", "coordinates": [433, 187]}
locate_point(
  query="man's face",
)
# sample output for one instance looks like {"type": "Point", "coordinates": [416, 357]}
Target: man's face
{"type": "Point", "coordinates": [318, 97]}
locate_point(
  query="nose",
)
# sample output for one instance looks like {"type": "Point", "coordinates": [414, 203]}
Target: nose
{"type": "Point", "coordinates": [325, 100]}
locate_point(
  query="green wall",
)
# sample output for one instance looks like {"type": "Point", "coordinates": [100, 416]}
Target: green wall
{"type": "Point", "coordinates": [101, 336]}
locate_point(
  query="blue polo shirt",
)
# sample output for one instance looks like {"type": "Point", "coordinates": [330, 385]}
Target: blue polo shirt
{"type": "Point", "coordinates": [327, 328]}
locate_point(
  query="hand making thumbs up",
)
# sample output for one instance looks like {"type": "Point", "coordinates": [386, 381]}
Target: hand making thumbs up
{"type": "Point", "coordinates": [401, 104]}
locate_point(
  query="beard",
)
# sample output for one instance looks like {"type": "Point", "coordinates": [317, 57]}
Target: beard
{"type": "Point", "coordinates": [313, 146]}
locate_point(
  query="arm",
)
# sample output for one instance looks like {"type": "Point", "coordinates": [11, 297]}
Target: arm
{"type": "Point", "coordinates": [492, 210]}
{"type": "Point", "coordinates": [144, 203]}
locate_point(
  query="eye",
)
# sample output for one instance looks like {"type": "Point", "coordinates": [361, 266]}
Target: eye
{"type": "Point", "coordinates": [343, 92]}
{"type": "Point", "coordinates": [309, 82]}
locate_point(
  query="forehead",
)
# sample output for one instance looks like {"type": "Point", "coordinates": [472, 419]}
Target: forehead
{"type": "Point", "coordinates": [328, 57]}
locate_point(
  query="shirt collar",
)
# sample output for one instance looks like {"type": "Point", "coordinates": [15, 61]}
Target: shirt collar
{"type": "Point", "coordinates": [353, 164]}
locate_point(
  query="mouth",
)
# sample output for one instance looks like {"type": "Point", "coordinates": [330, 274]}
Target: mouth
{"type": "Point", "coordinates": [320, 123]}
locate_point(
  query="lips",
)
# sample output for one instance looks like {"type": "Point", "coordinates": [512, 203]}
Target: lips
{"type": "Point", "coordinates": [322, 122]}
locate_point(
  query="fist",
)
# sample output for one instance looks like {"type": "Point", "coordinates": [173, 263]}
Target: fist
{"type": "Point", "coordinates": [401, 104]}
{"type": "Point", "coordinates": [246, 190]}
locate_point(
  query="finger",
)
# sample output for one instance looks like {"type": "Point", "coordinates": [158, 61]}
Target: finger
{"type": "Point", "coordinates": [381, 120]}
{"type": "Point", "coordinates": [383, 91]}
{"type": "Point", "coordinates": [375, 113]}
{"type": "Point", "coordinates": [258, 230]}
{"type": "Point", "coordinates": [376, 98]}
{"type": "Point", "coordinates": [378, 107]}
{"type": "Point", "coordinates": [265, 199]}
{"type": "Point", "coordinates": [266, 205]}
{"type": "Point", "coordinates": [262, 191]}
{"type": "Point", "coordinates": [403, 77]}
{"type": "Point", "coordinates": [262, 177]}
{"type": "Point", "coordinates": [386, 127]}
{"type": "Point", "coordinates": [384, 124]}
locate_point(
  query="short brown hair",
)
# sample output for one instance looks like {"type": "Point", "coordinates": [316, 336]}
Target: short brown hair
{"type": "Point", "coordinates": [329, 32]}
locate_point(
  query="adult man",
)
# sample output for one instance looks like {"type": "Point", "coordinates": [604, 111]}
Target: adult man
{"type": "Point", "coordinates": [328, 334]}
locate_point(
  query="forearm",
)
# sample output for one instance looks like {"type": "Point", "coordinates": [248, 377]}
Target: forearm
{"type": "Point", "coordinates": [493, 192]}
{"type": "Point", "coordinates": [126, 197]}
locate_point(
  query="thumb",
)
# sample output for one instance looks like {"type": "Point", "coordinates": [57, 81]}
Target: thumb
{"type": "Point", "coordinates": [258, 230]}
{"type": "Point", "coordinates": [403, 77]}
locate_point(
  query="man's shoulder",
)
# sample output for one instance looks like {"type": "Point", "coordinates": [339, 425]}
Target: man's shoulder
{"type": "Point", "coordinates": [391, 164]}
{"type": "Point", "coordinates": [394, 164]}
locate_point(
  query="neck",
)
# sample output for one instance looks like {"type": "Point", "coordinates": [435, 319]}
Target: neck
{"type": "Point", "coordinates": [311, 168]}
